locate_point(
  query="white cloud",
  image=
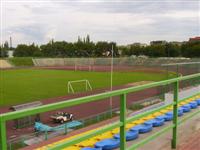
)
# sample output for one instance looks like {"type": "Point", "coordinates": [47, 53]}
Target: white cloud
{"type": "Point", "coordinates": [123, 23]}
{"type": "Point", "coordinates": [189, 14]}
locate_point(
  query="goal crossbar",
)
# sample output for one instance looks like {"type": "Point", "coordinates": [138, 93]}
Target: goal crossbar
{"type": "Point", "coordinates": [82, 67]}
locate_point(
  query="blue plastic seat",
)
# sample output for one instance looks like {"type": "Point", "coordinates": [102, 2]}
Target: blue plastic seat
{"type": "Point", "coordinates": [42, 127]}
{"type": "Point", "coordinates": [165, 117]}
{"type": "Point", "coordinates": [155, 122]}
{"type": "Point", "coordinates": [91, 148]}
{"type": "Point", "coordinates": [130, 135]}
{"type": "Point", "coordinates": [193, 104]}
{"type": "Point", "coordinates": [198, 101]}
{"type": "Point", "coordinates": [143, 128]}
{"type": "Point", "coordinates": [180, 112]}
{"type": "Point", "coordinates": [186, 108]}
{"type": "Point", "coordinates": [108, 144]}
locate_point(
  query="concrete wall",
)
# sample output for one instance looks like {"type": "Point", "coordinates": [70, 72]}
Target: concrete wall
{"type": "Point", "coordinates": [184, 93]}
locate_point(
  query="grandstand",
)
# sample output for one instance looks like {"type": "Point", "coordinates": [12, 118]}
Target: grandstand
{"type": "Point", "coordinates": [120, 64]}
{"type": "Point", "coordinates": [159, 118]}
{"type": "Point", "coordinates": [133, 129]}
{"type": "Point", "coordinates": [122, 61]}
{"type": "Point", "coordinates": [29, 120]}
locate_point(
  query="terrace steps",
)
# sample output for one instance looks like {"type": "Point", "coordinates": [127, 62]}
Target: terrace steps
{"type": "Point", "coordinates": [4, 64]}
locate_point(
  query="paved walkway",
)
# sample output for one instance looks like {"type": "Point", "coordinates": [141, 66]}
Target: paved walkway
{"type": "Point", "coordinates": [193, 142]}
{"type": "Point", "coordinates": [188, 137]}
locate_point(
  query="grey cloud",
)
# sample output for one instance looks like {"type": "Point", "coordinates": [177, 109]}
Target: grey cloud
{"type": "Point", "coordinates": [57, 20]}
{"type": "Point", "coordinates": [32, 32]}
{"type": "Point", "coordinates": [43, 9]}
{"type": "Point", "coordinates": [155, 6]}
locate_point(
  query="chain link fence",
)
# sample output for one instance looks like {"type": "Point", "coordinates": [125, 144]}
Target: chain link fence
{"type": "Point", "coordinates": [121, 64]}
{"type": "Point", "coordinates": [124, 61]}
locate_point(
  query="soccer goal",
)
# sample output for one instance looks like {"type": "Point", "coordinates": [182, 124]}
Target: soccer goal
{"type": "Point", "coordinates": [72, 86]}
{"type": "Point", "coordinates": [79, 67]}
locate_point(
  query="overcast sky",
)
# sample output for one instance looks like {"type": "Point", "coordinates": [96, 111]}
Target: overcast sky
{"type": "Point", "coordinates": [123, 22]}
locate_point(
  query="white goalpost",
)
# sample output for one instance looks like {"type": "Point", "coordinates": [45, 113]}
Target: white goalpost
{"type": "Point", "coordinates": [70, 88]}
{"type": "Point", "coordinates": [82, 67]}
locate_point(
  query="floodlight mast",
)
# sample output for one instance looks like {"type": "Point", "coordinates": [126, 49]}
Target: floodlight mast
{"type": "Point", "coordinates": [111, 78]}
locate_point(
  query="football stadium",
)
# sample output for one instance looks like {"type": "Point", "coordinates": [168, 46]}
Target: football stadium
{"type": "Point", "coordinates": [99, 75]}
{"type": "Point", "coordinates": [141, 98]}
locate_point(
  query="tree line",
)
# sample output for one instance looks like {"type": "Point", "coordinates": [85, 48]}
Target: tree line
{"type": "Point", "coordinates": [4, 50]}
{"type": "Point", "coordinates": [170, 49]}
{"type": "Point", "coordinates": [86, 48]}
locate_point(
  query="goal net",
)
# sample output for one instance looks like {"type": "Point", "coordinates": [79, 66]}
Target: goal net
{"type": "Point", "coordinates": [78, 86]}
{"type": "Point", "coordinates": [79, 67]}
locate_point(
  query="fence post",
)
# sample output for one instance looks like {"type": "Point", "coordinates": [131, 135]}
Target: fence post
{"type": "Point", "coordinates": [98, 118]}
{"type": "Point", "coordinates": [167, 72]}
{"type": "Point", "coordinates": [46, 135]}
{"type": "Point", "coordinates": [3, 143]}
{"type": "Point", "coordinates": [22, 141]}
{"type": "Point", "coordinates": [175, 114]}
{"type": "Point", "coordinates": [177, 70]}
{"type": "Point", "coordinates": [83, 123]}
{"type": "Point", "coordinates": [123, 120]}
{"type": "Point", "coordinates": [65, 128]}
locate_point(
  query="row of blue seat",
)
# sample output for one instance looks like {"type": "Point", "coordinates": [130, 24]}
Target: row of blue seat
{"type": "Point", "coordinates": [133, 133]}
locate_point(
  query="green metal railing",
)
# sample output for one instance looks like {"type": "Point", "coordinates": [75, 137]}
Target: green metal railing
{"type": "Point", "coordinates": [123, 120]}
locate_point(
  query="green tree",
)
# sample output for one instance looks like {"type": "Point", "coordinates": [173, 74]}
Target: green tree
{"type": "Point", "coordinates": [6, 45]}
{"type": "Point", "coordinates": [191, 49]}
{"type": "Point", "coordinates": [84, 49]}
{"type": "Point", "coordinates": [172, 50]}
{"type": "Point", "coordinates": [136, 50]}
{"type": "Point", "coordinates": [157, 50]}
{"type": "Point", "coordinates": [87, 39]}
{"type": "Point", "coordinates": [103, 47]}
{"type": "Point", "coordinates": [115, 49]}
{"type": "Point", "coordinates": [3, 52]}
{"type": "Point", "coordinates": [23, 50]}
{"type": "Point", "coordinates": [125, 50]}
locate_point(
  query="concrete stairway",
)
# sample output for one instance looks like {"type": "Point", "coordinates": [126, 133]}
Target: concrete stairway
{"type": "Point", "coordinates": [4, 64]}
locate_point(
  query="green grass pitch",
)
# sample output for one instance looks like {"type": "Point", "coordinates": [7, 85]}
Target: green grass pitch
{"type": "Point", "coordinates": [26, 85]}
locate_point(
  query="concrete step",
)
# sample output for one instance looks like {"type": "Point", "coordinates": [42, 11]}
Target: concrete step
{"type": "Point", "coordinates": [4, 64]}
